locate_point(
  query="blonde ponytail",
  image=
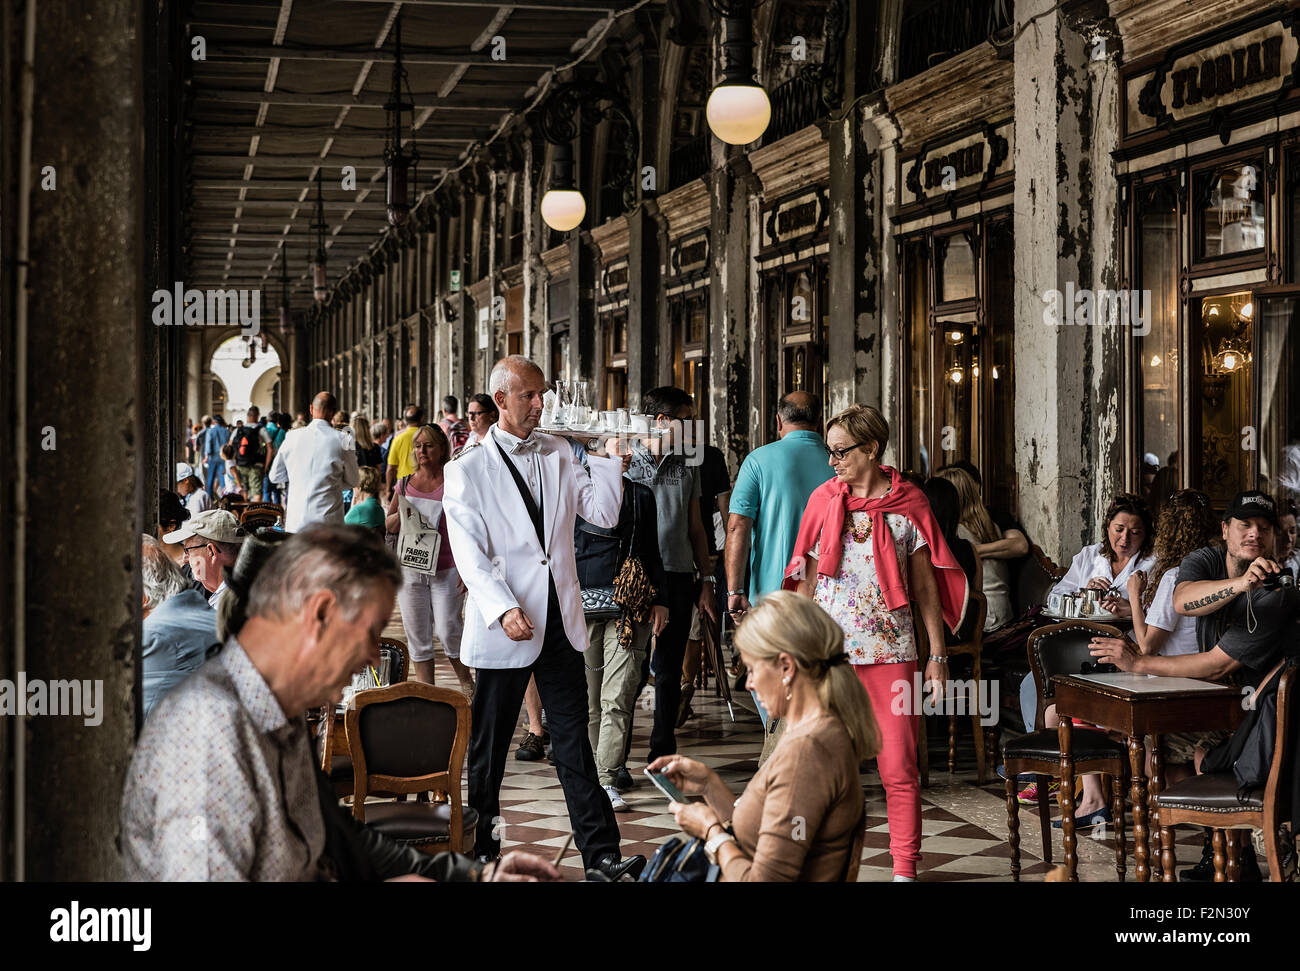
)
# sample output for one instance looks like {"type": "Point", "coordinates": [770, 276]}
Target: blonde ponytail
{"type": "Point", "coordinates": [786, 623]}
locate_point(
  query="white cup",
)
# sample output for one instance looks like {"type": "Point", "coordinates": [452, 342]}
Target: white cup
{"type": "Point", "coordinates": [640, 424]}
{"type": "Point", "coordinates": [608, 420]}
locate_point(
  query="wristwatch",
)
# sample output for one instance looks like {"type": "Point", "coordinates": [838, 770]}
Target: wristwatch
{"type": "Point", "coordinates": [712, 846]}
{"type": "Point", "coordinates": [594, 445]}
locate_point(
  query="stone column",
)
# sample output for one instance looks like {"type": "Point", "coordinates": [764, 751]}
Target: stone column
{"type": "Point", "coordinates": [853, 344]}
{"type": "Point", "coordinates": [1067, 405]}
{"type": "Point", "coordinates": [729, 326]}
{"type": "Point", "coordinates": [644, 284]}
{"type": "Point", "coordinates": [74, 611]}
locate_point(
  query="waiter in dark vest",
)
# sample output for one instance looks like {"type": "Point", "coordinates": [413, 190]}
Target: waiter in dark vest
{"type": "Point", "coordinates": [510, 503]}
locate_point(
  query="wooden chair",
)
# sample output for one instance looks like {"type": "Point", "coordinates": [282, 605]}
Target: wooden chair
{"type": "Point", "coordinates": [399, 658]}
{"type": "Point", "coordinates": [1061, 649]}
{"type": "Point", "coordinates": [412, 738]}
{"type": "Point", "coordinates": [971, 648]}
{"type": "Point", "coordinates": [255, 514]}
{"type": "Point", "coordinates": [1212, 801]}
{"type": "Point", "coordinates": [338, 765]}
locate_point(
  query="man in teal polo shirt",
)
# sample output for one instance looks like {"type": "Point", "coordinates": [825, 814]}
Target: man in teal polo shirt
{"type": "Point", "coordinates": [771, 491]}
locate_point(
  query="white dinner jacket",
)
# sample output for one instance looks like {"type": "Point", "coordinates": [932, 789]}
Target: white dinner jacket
{"type": "Point", "coordinates": [496, 549]}
{"type": "Point", "coordinates": [315, 467]}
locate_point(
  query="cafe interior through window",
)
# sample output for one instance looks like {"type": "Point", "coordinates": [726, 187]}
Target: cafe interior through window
{"type": "Point", "coordinates": [958, 309]}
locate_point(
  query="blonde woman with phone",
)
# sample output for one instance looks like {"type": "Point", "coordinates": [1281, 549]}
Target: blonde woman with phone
{"type": "Point", "coordinates": [801, 816]}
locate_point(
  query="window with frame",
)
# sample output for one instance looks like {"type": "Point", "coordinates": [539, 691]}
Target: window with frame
{"type": "Point", "coordinates": [957, 360]}
{"type": "Point", "coordinates": [688, 317]}
{"type": "Point", "coordinates": [796, 310]}
{"type": "Point", "coordinates": [1157, 374]}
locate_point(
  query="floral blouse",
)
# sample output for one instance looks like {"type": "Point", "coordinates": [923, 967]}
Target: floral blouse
{"type": "Point", "coordinates": [873, 634]}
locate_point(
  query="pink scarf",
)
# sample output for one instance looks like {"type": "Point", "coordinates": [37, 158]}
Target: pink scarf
{"type": "Point", "coordinates": [823, 523]}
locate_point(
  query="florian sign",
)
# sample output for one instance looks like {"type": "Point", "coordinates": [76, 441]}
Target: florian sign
{"type": "Point", "coordinates": [956, 166]}
{"type": "Point", "coordinates": [795, 217]}
{"type": "Point", "coordinates": [1210, 79]}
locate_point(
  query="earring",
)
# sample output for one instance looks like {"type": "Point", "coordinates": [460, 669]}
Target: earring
{"type": "Point", "coordinates": [790, 692]}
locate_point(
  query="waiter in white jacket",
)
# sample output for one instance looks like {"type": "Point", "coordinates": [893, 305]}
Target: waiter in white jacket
{"type": "Point", "coordinates": [510, 503]}
{"type": "Point", "coordinates": [317, 463]}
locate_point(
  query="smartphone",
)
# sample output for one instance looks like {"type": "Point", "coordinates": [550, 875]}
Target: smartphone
{"type": "Point", "coordinates": [667, 788]}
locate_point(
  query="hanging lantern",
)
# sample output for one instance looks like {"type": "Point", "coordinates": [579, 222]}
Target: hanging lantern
{"type": "Point", "coordinates": [285, 318]}
{"type": "Point", "coordinates": [319, 288]}
{"type": "Point", "coordinates": [738, 109]}
{"type": "Point", "coordinates": [563, 207]}
{"type": "Point", "coordinates": [399, 164]}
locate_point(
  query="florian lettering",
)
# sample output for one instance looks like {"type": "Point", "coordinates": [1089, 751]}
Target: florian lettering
{"type": "Point", "coordinates": [1228, 72]}
{"type": "Point", "coordinates": [964, 162]}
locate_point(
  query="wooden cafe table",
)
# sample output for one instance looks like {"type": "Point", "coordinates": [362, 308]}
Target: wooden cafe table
{"type": "Point", "coordinates": [1137, 705]}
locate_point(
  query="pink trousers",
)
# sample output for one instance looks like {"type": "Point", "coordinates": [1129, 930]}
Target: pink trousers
{"type": "Point", "coordinates": [897, 758]}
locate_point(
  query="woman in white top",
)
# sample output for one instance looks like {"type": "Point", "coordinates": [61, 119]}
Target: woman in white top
{"type": "Point", "coordinates": [1186, 524]}
{"type": "Point", "coordinates": [1124, 549]}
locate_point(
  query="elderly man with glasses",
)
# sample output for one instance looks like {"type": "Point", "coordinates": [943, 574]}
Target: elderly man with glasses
{"type": "Point", "coordinates": [211, 540]}
{"type": "Point", "coordinates": [223, 784]}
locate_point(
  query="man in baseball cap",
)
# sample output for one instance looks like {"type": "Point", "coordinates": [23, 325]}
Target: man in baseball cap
{"type": "Point", "coordinates": [211, 540]}
{"type": "Point", "coordinates": [1253, 504]}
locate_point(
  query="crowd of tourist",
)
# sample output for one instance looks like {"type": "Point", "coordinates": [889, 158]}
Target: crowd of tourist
{"type": "Point", "coordinates": [560, 577]}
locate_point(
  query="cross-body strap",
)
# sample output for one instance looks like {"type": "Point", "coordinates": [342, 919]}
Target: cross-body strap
{"type": "Point", "coordinates": [534, 512]}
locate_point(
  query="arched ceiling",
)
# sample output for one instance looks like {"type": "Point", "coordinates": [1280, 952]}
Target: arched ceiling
{"type": "Point", "coordinates": [286, 88]}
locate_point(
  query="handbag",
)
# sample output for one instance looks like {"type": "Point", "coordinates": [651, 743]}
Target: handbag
{"type": "Point", "coordinates": [679, 861]}
{"type": "Point", "coordinates": [598, 603]}
{"type": "Point", "coordinates": [418, 543]}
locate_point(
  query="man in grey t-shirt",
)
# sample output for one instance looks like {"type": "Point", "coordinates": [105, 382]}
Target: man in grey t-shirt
{"type": "Point", "coordinates": [659, 463]}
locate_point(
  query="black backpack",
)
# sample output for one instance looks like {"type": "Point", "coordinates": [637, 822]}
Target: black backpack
{"type": "Point", "coordinates": [248, 446]}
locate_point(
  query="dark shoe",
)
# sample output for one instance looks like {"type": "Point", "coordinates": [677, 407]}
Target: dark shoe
{"type": "Point", "coordinates": [530, 749]}
{"type": "Point", "coordinates": [612, 868]}
{"type": "Point", "coordinates": [623, 780]}
{"type": "Point", "coordinates": [1203, 872]}
{"type": "Point", "coordinates": [1102, 815]}
{"type": "Point", "coordinates": [684, 708]}
{"type": "Point", "coordinates": [1249, 864]}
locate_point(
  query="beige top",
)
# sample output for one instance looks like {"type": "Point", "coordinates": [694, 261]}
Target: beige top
{"type": "Point", "coordinates": [798, 817]}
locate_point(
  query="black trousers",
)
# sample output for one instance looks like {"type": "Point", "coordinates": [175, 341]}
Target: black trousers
{"type": "Point", "coordinates": [562, 684]}
{"type": "Point", "coordinates": [666, 663]}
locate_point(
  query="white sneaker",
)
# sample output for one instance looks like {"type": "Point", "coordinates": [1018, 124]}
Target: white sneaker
{"type": "Point", "coordinates": [616, 800]}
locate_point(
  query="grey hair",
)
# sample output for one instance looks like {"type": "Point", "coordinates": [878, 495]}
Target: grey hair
{"type": "Point", "coordinates": [348, 561]}
{"type": "Point", "coordinates": [160, 577]}
{"type": "Point", "coordinates": [378, 428]}
{"type": "Point", "coordinates": [504, 371]}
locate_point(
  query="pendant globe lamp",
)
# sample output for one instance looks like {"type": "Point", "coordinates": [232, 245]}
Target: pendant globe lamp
{"type": "Point", "coordinates": [563, 206]}
{"type": "Point", "coordinates": [738, 109]}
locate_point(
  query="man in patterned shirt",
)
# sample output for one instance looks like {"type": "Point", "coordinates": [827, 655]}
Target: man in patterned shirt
{"type": "Point", "coordinates": [223, 785]}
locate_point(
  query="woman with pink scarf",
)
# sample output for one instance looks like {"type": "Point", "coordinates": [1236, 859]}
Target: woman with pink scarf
{"type": "Point", "coordinates": [867, 548]}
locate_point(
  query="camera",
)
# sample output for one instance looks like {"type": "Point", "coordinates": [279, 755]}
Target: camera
{"type": "Point", "coordinates": [1279, 581]}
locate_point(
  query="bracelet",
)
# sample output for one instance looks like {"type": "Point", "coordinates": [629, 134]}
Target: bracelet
{"type": "Point", "coordinates": [939, 660]}
{"type": "Point", "coordinates": [735, 593]}
{"type": "Point", "coordinates": [708, 579]}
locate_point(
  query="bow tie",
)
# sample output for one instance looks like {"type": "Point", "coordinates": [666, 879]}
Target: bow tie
{"type": "Point", "coordinates": [529, 444]}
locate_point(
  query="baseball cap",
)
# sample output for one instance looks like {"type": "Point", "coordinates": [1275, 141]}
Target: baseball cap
{"type": "Point", "coordinates": [1252, 503]}
{"type": "Point", "coordinates": [218, 525]}
{"type": "Point", "coordinates": [183, 471]}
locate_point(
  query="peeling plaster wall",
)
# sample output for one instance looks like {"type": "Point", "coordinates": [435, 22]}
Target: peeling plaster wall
{"type": "Point", "coordinates": [1067, 401]}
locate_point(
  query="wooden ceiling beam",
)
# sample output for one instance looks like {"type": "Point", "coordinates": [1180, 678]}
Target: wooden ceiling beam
{"type": "Point", "coordinates": [531, 62]}
{"type": "Point", "coordinates": [453, 102]}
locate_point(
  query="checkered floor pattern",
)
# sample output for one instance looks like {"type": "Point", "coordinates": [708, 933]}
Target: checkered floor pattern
{"type": "Point", "coordinates": [964, 825]}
